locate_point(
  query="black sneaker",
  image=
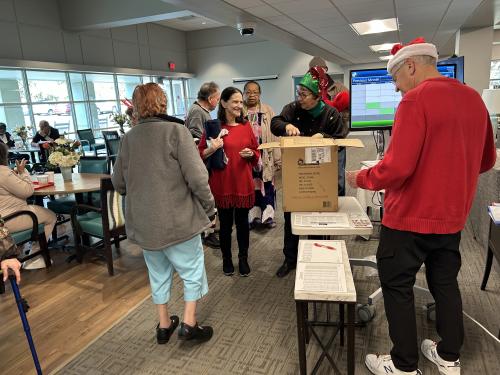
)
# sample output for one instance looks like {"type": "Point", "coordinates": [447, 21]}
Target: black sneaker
{"type": "Point", "coordinates": [211, 241]}
{"type": "Point", "coordinates": [163, 334]}
{"type": "Point", "coordinates": [243, 266]}
{"type": "Point", "coordinates": [285, 269]}
{"type": "Point", "coordinates": [227, 266]}
{"type": "Point", "coordinates": [197, 333]}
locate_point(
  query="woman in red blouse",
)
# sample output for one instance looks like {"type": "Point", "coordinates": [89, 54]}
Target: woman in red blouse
{"type": "Point", "coordinates": [232, 186]}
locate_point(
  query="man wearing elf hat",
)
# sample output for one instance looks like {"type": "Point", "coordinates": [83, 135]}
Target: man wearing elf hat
{"type": "Point", "coordinates": [308, 116]}
{"type": "Point", "coordinates": [442, 140]}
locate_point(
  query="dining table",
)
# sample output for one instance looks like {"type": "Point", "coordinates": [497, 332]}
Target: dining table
{"type": "Point", "coordinates": [79, 184]}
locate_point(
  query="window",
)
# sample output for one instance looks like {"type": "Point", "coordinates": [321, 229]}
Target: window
{"type": "Point", "coordinates": [78, 86]}
{"type": "Point", "coordinates": [179, 98]}
{"type": "Point", "coordinates": [165, 85]}
{"type": "Point", "coordinates": [126, 86]}
{"type": "Point", "coordinates": [12, 87]}
{"type": "Point", "coordinates": [47, 86]}
{"type": "Point", "coordinates": [495, 74]}
{"type": "Point", "coordinates": [75, 100]}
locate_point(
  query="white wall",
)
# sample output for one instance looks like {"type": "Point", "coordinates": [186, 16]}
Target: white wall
{"type": "Point", "coordinates": [476, 47]}
{"type": "Point", "coordinates": [31, 30]}
{"type": "Point", "coordinates": [221, 54]}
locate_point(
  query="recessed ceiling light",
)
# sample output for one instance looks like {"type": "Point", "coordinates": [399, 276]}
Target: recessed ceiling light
{"type": "Point", "coordinates": [386, 57]}
{"type": "Point", "coordinates": [375, 26]}
{"type": "Point", "coordinates": [382, 47]}
{"type": "Point", "coordinates": [204, 23]}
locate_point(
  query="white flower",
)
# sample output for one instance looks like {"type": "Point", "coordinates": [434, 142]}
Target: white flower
{"type": "Point", "coordinates": [61, 141]}
{"type": "Point", "coordinates": [55, 158]}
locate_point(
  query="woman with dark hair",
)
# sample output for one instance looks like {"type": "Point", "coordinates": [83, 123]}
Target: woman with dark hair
{"type": "Point", "coordinates": [168, 205]}
{"type": "Point", "coordinates": [232, 186]}
{"type": "Point", "coordinates": [5, 136]}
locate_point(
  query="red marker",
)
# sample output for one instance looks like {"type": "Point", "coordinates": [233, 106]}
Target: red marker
{"type": "Point", "coordinates": [324, 246]}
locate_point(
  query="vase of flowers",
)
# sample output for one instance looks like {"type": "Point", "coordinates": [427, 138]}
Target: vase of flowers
{"type": "Point", "coordinates": [22, 132]}
{"type": "Point", "coordinates": [65, 154]}
{"type": "Point", "coordinates": [120, 119]}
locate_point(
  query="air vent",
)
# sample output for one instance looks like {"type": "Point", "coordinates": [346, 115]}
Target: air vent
{"type": "Point", "coordinates": [187, 18]}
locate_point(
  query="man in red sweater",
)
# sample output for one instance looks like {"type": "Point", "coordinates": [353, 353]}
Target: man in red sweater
{"type": "Point", "coordinates": [442, 140]}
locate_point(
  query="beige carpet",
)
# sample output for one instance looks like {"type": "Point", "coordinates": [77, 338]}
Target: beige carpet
{"type": "Point", "coordinates": [255, 323]}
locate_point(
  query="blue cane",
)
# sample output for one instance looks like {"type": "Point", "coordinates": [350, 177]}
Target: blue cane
{"type": "Point", "coordinates": [23, 307]}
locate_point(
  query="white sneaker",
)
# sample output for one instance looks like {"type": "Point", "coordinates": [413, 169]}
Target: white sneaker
{"type": "Point", "coordinates": [381, 364]}
{"type": "Point", "coordinates": [429, 350]}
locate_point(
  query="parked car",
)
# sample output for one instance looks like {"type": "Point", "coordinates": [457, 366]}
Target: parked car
{"type": "Point", "coordinates": [106, 107]}
{"type": "Point", "coordinates": [52, 109]}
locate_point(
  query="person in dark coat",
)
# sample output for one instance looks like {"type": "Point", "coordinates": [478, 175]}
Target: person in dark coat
{"type": "Point", "coordinates": [308, 116]}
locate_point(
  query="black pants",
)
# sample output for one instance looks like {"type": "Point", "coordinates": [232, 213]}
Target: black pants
{"type": "Point", "coordinates": [399, 257]}
{"type": "Point", "coordinates": [290, 241]}
{"type": "Point", "coordinates": [240, 216]}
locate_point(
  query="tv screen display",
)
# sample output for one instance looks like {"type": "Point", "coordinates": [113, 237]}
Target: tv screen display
{"type": "Point", "coordinates": [374, 98]}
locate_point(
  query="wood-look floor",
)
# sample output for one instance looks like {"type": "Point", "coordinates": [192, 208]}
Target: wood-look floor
{"type": "Point", "coordinates": [71, 305]}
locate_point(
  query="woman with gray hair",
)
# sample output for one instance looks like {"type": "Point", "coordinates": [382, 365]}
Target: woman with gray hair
{"type": "Point", "coordinates": [168, 205]}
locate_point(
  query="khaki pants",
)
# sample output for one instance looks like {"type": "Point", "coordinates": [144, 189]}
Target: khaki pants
{"type": "Point", "coordinates": [44, 216]}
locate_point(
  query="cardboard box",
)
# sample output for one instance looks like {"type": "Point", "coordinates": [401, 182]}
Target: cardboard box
{"type": "Point", "coordinates": [310, 172]}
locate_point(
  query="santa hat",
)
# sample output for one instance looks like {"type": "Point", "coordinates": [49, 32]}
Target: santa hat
{"type": "Point", "coordinates": [417, 47]}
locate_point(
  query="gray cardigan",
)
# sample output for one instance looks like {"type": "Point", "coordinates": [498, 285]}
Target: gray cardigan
{"type": "Point", "coordinates": [168, 199]}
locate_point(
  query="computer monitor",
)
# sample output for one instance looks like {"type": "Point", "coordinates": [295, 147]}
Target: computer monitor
{"type": "Point", "coordinates": [374, 99]}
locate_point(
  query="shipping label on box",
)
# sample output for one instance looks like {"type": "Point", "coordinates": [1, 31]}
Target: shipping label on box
{"type": "Point", "coordinates": [318, 155]}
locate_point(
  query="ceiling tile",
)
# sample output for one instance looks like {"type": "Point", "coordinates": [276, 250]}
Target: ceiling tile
{"type": "Point", "coordinates": [304, 6]}
{"type": "Point", "coordinates": [243, 4]}
{"type": "Point", "coordinates": [263, 11]}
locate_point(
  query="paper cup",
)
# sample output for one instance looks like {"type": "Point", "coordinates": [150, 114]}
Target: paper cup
{"type": "Point", "coordinates": [51, 176]}
{"type": "Point", "coordinates": [42, 179]}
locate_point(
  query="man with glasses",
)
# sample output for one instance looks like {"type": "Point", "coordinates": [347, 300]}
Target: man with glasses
{"type": "Point", "coordinates": [199, 113]}
{"type": "Point", "coordinates": [308, 116]}
{"type": "Point", "coordinates": [442, 139]}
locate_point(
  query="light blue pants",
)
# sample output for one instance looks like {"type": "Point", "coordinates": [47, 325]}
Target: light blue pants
{"type": "Point", "coordinates": [188, 260]}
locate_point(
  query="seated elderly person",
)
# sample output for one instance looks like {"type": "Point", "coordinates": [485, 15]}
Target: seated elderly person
{"type": "Point", "coordinates": [15, 188]}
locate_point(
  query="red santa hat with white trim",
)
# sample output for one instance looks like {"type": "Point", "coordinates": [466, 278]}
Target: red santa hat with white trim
{"type": "Point", "coordinates": [417, 47]}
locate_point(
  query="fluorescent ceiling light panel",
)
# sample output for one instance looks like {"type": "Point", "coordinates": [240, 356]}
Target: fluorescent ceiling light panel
{"type": "Point", "coordinates": [375, 26]}
{"type": "Point", "coordinates": [385, 58]}
{"type": "Point", "coordinates": [382, 47]}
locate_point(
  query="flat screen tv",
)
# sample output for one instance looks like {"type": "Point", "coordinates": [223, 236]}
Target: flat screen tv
{"type": "Point", "coordinates": [374, 99]}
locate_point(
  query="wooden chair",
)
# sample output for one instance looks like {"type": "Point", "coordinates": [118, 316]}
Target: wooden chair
{"type": "Point", "coordinates": [106, 223]}
{"type": "Point", "coordinates": [36, 234]}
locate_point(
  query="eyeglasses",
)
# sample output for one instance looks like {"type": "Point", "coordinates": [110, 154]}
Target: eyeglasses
{"type": "Point", "coordinates": [303, 95]}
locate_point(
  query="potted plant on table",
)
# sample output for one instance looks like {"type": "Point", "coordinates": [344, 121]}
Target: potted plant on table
{"type": "Point", "coordinates": [22, 132]}
{"type": "Point", "coordinates": [65, 154]}
{"type": "Point", "coordinates": [120, 119]}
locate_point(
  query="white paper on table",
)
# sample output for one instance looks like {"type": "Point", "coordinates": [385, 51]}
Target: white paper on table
{"type": "Point", "coordinates": [320, 251]}
{"type": "Point", "coordinates": [360, 221]}
{"type": "Point", "coordinates": [327, 220]}
{"type": "Point", "coordinates": [317, 277]}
